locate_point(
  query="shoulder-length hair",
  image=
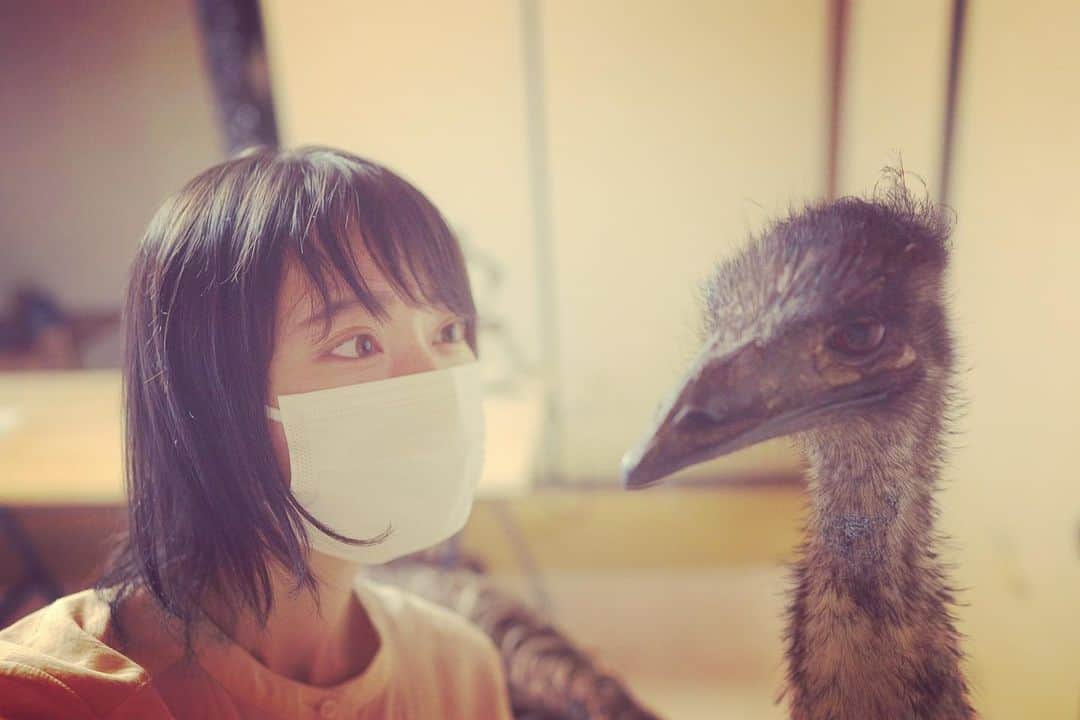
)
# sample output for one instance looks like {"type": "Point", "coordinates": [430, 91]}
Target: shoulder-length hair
{"type": "Point", "coordinates": [209, 507]}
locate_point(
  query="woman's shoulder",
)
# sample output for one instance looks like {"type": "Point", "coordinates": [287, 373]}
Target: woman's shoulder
{"type": "Point", "coordinates": [58, 662]}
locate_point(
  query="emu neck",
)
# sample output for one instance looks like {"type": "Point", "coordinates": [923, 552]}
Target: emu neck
{"type": "Point", "coordinates": [868, 517]}
{"type": "Point", "coordinates": [870, 634]}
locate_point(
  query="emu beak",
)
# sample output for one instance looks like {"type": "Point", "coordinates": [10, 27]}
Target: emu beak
{"type": "Point", "coordinates": [731, 400]}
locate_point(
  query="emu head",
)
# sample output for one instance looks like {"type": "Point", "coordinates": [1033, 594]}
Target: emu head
{"type": "Point", "coordinates": [830, 324]}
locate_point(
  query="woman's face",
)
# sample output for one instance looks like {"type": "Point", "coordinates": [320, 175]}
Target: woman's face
{"type": "Point", "coordinates": [318, 348]}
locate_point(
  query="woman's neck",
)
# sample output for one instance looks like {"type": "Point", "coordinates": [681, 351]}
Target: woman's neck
{"type": "Point", "coordinates": [320, 645]}
{"type": "Point", "coordinates": [870, 632]}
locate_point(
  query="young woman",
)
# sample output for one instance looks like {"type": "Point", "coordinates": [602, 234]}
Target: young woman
{"type": "Point", "coordinates": [301, 399]}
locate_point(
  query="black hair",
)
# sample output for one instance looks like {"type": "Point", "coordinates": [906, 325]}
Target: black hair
{"type": "Point", "coordinates": [209, 507]}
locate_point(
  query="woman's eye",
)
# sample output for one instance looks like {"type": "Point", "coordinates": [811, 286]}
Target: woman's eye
{"type": "Point", "coordinates": [358, 346]}
{"type": "Point", "coordinates": [453, 333]}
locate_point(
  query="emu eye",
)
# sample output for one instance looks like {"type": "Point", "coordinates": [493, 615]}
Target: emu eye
{"type": "Point", "coordinates": [861, 337]}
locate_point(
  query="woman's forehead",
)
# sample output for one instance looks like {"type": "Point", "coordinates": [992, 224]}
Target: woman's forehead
{"type": "Point", "coordinates": [300, 299]}
{"type": "Point", "coordinates": [298, 294]}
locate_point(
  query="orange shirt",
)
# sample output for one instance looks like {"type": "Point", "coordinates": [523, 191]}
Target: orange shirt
{"type": "Point", "coordinates": [62, 662]}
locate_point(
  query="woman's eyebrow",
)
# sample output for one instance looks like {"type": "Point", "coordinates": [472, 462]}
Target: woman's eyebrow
{"type": "Point", "coordinates": [325, 314]}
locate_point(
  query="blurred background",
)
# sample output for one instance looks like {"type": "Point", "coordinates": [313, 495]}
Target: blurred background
{"type": "Point", "coordinates": [597, 159]}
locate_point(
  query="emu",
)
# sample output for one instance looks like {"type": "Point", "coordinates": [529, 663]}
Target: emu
{"type": "Point", "coordinates": [831, 327]}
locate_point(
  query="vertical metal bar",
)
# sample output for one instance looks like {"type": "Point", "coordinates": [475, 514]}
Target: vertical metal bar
{"type": "Point", "coordinates": [233, 46]}
{"type": "Point", "coordinates": [543, 243]}
{"type": "Point", "coordinates": [952, 89]}
{"type": "Point", "coordinates": [838, 34]}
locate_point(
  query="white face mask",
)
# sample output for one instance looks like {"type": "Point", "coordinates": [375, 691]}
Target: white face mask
{"type": "Point", "coordinates": [402, 454]}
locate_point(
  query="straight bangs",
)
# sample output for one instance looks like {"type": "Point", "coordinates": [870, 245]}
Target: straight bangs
{"type": "Point", "coordinates": [355, 202]}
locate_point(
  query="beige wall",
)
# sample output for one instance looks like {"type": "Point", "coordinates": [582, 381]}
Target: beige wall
{"type": "Point", "coordinates": [105, 112]}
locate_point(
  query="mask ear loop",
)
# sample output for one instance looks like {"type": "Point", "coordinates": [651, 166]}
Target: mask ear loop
{"type": "Point", "coordinates": [273, 413]}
